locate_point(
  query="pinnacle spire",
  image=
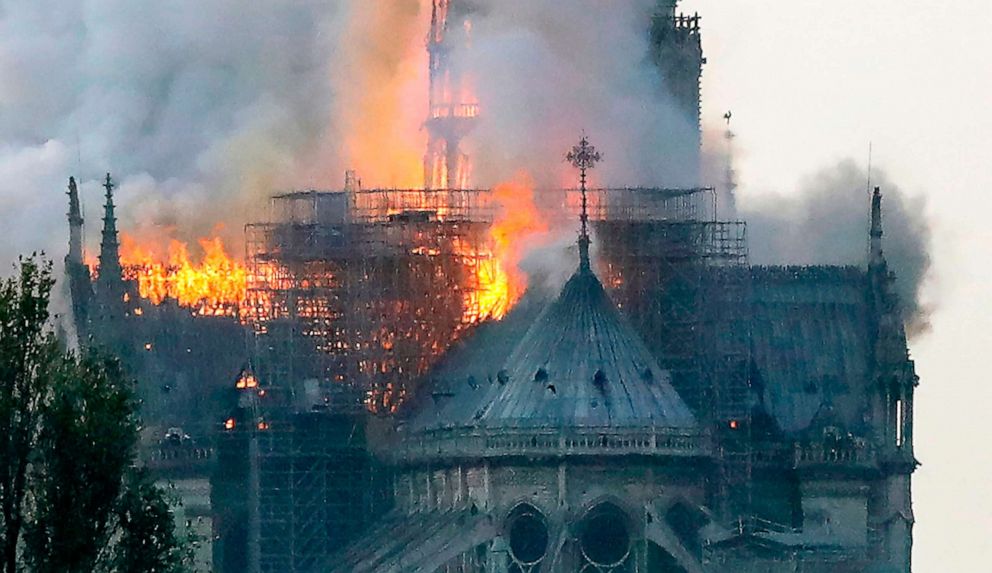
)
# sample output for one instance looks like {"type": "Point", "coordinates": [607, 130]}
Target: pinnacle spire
{"type": "Point", "coordinates": [75, 216]}
{"type": "Point", "coordinates": [584, 157]}
{"type": "Point", "coordinates": [875, 256]}
{"type": "Point", "coordinates": [110, 260]}
{"type": "Point", "coordinates": [75, 224]}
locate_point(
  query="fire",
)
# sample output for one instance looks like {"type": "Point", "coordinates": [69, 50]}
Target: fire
{"type": "Point", "coordinates": [516, 225]}
{"type": "Point", "coordinates": [381, 101]}
{"type": "Point", "coordinates": [215, 285]}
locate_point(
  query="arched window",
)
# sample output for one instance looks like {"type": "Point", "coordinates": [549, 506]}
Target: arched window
{"type": "Point", "coordinates": [527, 531]}
{"type": "Point", "coordinates": [605, 540]}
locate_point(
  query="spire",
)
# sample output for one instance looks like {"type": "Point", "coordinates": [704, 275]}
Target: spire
{"type": "Point", "coordinates": [75, 225]}
{"type": "Point", "coordinates": [110, 260]}
{"type": "Point", "coordinates": [875, 256]}
{"type": "Point", "coordinates": [584, 157]}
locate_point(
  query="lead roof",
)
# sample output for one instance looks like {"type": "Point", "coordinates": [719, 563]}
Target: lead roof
{"type": "Point", "coordinates": [579, 364]}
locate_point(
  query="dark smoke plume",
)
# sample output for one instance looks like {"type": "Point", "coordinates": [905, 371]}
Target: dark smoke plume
{"type": "Point", "coordinates": [826, 223]}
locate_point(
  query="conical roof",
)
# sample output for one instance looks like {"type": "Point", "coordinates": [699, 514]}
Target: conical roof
{"type": "Point", "coordinates": [579, 364]}
{"type": "Point", "coordinates": [582, 364]}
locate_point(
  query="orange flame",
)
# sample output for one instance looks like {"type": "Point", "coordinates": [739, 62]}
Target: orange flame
{"type": "Point", "coordinates": [213, 286]}
{"type": "Point", "coordinates": [516, 225]}
{"type": "Point", "coordinates": [381, 103]}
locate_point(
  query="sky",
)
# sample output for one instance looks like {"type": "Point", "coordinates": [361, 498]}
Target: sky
{"type": "Point", "coordinates": [814, 83]}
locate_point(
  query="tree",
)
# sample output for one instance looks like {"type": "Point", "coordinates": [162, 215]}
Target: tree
{"type": "Point", "coordinates": [86, 443]}
{"type": "Point", "coordinates": [71, 498]}
{"type": "Point", "coordinates": [27, 349]}
{"type": "Point", "coordinates": [148, 542]}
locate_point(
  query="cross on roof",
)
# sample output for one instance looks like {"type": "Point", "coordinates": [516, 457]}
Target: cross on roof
{"type": "Point", "coordinates": [584, 157]}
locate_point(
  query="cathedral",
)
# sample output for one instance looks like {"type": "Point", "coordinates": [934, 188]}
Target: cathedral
{"type": "Point", "coordinates": [562, 445]}
{"type": "Point", "coordinates": [670, 408]}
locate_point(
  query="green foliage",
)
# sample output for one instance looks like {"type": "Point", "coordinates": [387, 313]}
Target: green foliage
{"type": "Point", "coordinates": [27, 349]}
{"type": "Point", "coordinates": [71, 498]}
{"type": "Point", "coordinates": [148, 542]}
{"type": "Point", "coordinates": [85, 445]}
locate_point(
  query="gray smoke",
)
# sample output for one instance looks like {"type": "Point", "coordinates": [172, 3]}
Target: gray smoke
{"type": "Point", "coordinates": [201, 109]}
{"type": "Point", "coordinates": [826, 223]}
{"type": "Point", "coordinates": [544, 73]}
{"type": "Point", "coordinates": [196, 107]}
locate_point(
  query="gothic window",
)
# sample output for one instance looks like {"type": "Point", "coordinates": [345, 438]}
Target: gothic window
{"type": "Point", "coordinates": [527, 530]}
{"type": "Point", "coordinates": [605, 540]}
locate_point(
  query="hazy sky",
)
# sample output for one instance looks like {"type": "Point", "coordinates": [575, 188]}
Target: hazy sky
{"type": "Point", "coordinates": [810, 83]}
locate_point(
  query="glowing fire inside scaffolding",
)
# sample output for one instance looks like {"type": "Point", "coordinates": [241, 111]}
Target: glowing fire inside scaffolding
{"type": "Point", "coordinates": [214, 285]}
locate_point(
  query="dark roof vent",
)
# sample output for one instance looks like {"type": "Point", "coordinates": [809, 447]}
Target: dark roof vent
{"type": "Point", "coordinates": [502, 377]}
{"type": "Point", "coordinates": [541, 375]}
{"type": "Point", "coordinates": [438, 396]}
{"type": "Point", "coordinates": [599, 379]}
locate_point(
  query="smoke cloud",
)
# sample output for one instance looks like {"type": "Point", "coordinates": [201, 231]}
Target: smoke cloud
{"type": "Point", "coordinates": [198, 109]}
{"type": "Point", "coordinates": [380, 66]}
{"type": "Point", "coordinates": [827, 222]}
{"type": "Point", "coordinates": [543, 73]}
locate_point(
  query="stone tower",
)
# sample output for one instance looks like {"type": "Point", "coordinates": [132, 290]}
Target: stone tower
{"type": "Point", "coordinates": [894, 382]}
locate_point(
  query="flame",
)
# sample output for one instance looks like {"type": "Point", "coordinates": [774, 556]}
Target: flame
{"type": "Point", "coordinates": [516, 224]}
{"type": "Point", "coordinates": [215, 285]}
{"type": "Point", "coordinates": [246, 380]}
{"type": "Point", "coordinates": [381, 102]}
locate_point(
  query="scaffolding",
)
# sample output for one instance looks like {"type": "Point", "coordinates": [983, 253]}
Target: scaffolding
{"type": "Point", "coordinates": [354, 295]}
{"type": "Point", "coordinates": [368, 288]}
{"type": "Point", "coordinates": [314, 479]}
{"type": "Point", "coordinates": [365, 288]}
{"type": "Point", "coordinates": [684, 283]}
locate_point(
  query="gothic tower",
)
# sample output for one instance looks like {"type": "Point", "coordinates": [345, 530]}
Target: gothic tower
{"type": "Point", "coordinates": [894, 381]}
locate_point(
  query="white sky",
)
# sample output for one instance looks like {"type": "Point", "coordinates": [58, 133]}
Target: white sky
{"type": "Point", "coordinates": [813, 82]}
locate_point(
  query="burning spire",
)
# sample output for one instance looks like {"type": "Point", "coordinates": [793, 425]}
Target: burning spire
{"type": "Point", "coordinates": [584, 157]}
{"type": "Point", "coordinates": [453, 108]}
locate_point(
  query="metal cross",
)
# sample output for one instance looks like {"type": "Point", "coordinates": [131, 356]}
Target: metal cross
{"type": "Point", "coordinates": [584, 157]}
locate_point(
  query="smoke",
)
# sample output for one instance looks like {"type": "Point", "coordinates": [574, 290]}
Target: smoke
{"type": "Point", "coordinates": [826, 223]}
{"type": "Point", "coordinates": [544, 71]}
{"type": "Point", "coordinates": [197, 108]}
{"type": "Point", "coordinates": [381, 70]}
{"type": "Point", "coordinates": [201, 110]}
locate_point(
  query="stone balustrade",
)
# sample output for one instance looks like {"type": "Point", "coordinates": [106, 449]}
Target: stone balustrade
{"type": "Point", "coordinates": [481, 443]}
